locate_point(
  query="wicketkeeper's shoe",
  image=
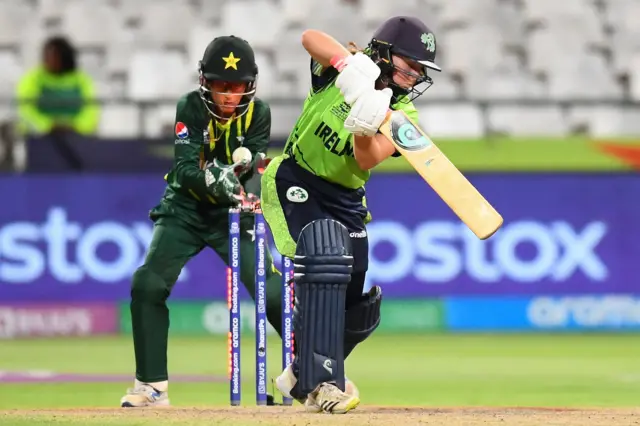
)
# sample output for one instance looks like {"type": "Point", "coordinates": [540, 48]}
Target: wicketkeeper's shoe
{"type": "Point", "coordinates": [332, 400]}
{"type": "Point", "coordinates": [287, 380]}
{"type": "Point", "coordinates": [144, 395]}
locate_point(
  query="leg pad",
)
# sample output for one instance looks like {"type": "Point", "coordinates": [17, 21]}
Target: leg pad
{"type": "Point", "coordinates": [362, 319]}
{"type": "Point", "coordinates": [322, 270]}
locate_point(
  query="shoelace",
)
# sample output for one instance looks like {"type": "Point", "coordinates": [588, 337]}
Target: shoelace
{"type": "Point", "coordinates": [334, 392]}
{"type": "Point", "coordinates": [133, 391]}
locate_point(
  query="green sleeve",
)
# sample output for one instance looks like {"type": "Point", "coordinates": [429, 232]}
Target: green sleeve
{"type": "Point", "coordinates": [258, 136]}
{"type": "Point", "coordinates": [187, 176]}
{"type": "Point", "coordinates": [28, 91]}
{"type": "Point", "coordinates": [412, 113]}
{"type": "Point", "coordinates": [86, 122]}
{"type": "Point", "coordinates": [259, 132]}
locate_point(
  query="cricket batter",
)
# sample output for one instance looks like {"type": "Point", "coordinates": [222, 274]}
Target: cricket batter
{"type": "Point", "coordinates": [214, 124]}
{"type": "Point", "coordinates": [313, 198]}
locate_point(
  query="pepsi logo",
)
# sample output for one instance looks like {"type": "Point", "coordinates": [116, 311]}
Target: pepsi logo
{"type": "Point", "coordinates": [181, 130]}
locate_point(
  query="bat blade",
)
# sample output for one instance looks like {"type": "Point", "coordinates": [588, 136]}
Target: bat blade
{"type": "Point", "coordinates": [441, 174]}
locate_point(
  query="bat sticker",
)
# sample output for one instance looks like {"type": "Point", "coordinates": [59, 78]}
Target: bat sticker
{"type": "Point", "coordinates": [406, 134]}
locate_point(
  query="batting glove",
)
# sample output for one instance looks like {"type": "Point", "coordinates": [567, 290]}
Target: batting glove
{"type": "Point", "coordinates": [358, 76]}
{"type": "Point", "coordinates": [368, 112]}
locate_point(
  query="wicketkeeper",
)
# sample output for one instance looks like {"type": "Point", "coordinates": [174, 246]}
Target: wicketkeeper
{"type": "Point", "coordinates": [212, 123]}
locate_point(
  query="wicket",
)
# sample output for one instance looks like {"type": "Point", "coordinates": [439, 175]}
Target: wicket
{"type": "Point", "coordinates": [233, 289]}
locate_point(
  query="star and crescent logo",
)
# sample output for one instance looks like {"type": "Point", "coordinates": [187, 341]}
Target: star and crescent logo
{"type": "Point", "coordinates": [231, 61]}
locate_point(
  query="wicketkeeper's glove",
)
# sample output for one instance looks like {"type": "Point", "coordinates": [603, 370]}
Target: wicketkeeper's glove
{"type": "Point", "coordinates": [252, 181]}
{"type": "Point", "coordinates": [260, 162]}
{"type": "Point", "coordinates": [223, 183]}
{"type": "Point", "coordinates": [246, 170]}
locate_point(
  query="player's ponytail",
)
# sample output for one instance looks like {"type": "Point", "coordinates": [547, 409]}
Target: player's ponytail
{"type": "Point", "coordinates": [353, 48]}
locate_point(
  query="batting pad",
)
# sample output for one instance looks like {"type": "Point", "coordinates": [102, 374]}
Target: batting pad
{"type": "Point", "coordinates": [362, 319]}
{"type": "Point", "coordinates": [322, 270]}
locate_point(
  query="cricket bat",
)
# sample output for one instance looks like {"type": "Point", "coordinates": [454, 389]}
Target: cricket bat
{"type": "Point", "coordinates": [439, 172]}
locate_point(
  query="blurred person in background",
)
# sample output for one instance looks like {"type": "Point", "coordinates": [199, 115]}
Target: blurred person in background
{"type": "Point", "coordinates": [55, 96]}
{"type": "Point", "coordinates": [7, 143]}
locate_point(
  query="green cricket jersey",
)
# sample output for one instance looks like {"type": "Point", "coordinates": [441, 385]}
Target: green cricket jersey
{"type": "Point", "coordinates": [319, 142]}
{"type": "Point", "coordinates": [199, 139]}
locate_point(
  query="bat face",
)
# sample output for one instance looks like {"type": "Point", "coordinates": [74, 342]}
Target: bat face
{"type": "Point", "coordinates": [442, 175]}
{"type": "Point", "coordinates": [406, 134]}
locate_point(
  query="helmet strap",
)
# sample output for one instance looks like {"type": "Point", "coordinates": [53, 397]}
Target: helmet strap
{"type": "Point", "coordinates": [381, 55]}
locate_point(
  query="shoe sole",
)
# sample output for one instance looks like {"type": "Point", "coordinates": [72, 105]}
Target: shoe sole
{"type": "Point", "coordinates": [351, 405]}
{"type": "Point", "coordinates": [161, 404]}
{"type": "Point", "coordinates": [315, 408]}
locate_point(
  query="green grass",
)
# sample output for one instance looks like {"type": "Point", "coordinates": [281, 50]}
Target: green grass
{"type": "Point", "coordinates": [410, 369]}
{"type": "Point", "coordinates": [523, 154]}
{"type": "Point", "coordinates": [505, 154]}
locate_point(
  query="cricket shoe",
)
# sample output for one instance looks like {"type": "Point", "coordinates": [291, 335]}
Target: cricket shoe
{"type": "Point", "coordinates": [144, 395]}
{"type": "Point", "coordinates": [287, 380]}
{"type": "Point", "coordinates": [332, 400]}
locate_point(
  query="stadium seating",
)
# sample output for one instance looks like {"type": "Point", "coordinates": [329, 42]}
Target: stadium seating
{"type": "Point", "coordinates": [507, 63]}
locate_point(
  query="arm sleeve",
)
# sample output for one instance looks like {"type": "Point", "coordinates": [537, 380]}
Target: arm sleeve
{"type": "Point", "coordinates": [86, 122]}
{"type": "Point", "coordinates": [321, 77]}
{"type": "Point", "coordinates": [188, 149]}
{"type": "Point", "coordinates": [28, 92]}
{"type": "Point", "coordinates": [259, 132]}
{"type": "Point", "coordinates": [258, 136]}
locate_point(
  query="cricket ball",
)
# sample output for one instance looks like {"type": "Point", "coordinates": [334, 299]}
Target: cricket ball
{"type": "Point", "coordinates": [241, 154]}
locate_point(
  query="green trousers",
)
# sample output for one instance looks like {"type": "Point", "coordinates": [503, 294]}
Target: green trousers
{"type": "Point", "coordinates": [174, 243]}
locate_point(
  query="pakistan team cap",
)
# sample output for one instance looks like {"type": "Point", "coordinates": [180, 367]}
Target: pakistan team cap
{"type": "Point", "coordinates": [229, 58]}
{"type": "Point", "coordinates": [409, 37]}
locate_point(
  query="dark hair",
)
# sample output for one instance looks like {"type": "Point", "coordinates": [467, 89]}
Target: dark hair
{"type": "Point", "coordinates": [67, 53]}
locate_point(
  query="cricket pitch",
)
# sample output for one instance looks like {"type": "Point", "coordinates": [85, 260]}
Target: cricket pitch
{"type": "Point", "coordinates": [370, 415]}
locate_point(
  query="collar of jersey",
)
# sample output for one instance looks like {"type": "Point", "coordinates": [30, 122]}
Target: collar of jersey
{"type": "Point", "coordinates": [226, 125]}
